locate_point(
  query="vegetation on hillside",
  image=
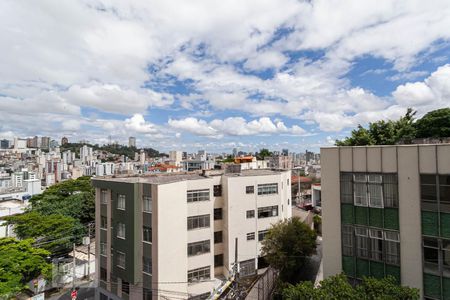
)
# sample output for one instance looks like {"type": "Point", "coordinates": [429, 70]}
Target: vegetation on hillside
{"type": "Point", "coordinates": [20, 262]}
{"type": "Point", "coordinates": [434, 124]}
{"type": "Point", "coordinates": [114, 149]}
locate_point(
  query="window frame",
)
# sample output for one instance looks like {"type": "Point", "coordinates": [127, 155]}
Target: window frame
{"type": "Point", "coordinates": [198, 248]}
{"type": "Point", "coordinates": [218, 213]}
{"type": "Point", "coordinates": [121, 202]}
{"type": "Point", "coordinates": [198, 195]}
{"type": "Point", "coordinates": [250, 212]}
{"type": "Point", "coordinates": [198, 222]}
{"type": "Point", "coordinates": [121, 227]}
{"type": "Point", "coordinates": [250, 189]}
{"type": "Point", "coordinates": [147, 234]}
{"type": "Point", "coordinates": [199, 274]}
{"type": "Point", "coordinates": [266, 189]}
{"type": "Point", "coordinates": [119, 260]}
{"type": "Point", "coordinates": [251, 236]}
{"type": "Point", "coordinates": [147, 204]}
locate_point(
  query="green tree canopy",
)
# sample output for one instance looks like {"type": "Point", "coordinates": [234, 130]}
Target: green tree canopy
{"type": "Point", "coordinates": [263, 153]}
{"type": "Point", "coordinates": [287, 246]}
{"type": "Point", "coordinates": [435, 124]}
{"type": "Point", "coordinates": [337, 288]}
{"type": "Point", "coordinates": [20, 262]}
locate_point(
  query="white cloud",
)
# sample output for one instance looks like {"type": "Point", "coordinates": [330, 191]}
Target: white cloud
{"type": "Point", "coordinates": [138, 124]}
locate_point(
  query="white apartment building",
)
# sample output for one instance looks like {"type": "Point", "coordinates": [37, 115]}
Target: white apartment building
{"type": "Point", "coordinates": [181, 228]}
{"type": "Point", "coordinates": [175, 157]}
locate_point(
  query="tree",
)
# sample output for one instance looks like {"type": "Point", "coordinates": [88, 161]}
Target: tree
{"type": "Point", "coordinates": [435, 124]}
{"type": "Point", "coordinates": [287, 247]}
{"type": "Point", "coordinates": [383, 132]}
{"type": "Point", "coordinates": [20, 262]}
{"type": "Point", "coordinates": [337, 287]}
{"type": "Point", "coordinates": [263, 153]}
{"type": "Point", "coordinates": [54, 232]}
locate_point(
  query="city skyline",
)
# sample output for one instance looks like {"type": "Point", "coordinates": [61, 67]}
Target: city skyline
{"type": "Point", "coordinates": [292, 75]}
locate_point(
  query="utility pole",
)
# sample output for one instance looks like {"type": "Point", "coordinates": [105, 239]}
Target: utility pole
{"type": "Point", "coordinates": [236, 269]}
{"type": "Point", "coordinates": [89, 252]}
{"type": "Point", "coordinates": [74, 266]}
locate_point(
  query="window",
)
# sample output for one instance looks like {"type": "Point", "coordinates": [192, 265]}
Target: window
{"type": "Point", "coordinates": [121, 259]}
{"type": "Point", "coordinates": [250, 214]}
{"type": "Point", "coordinates": [198, 195]}
{"type": "Point", "coordinates": [360, 189]}
{"type": "Point", "coordinates": [392, 247]}
{"type": "Point", "coordinates": [268, 189]}
{"type": "Point", "coordinates": [217, 213]}
{"type": "Point", "coordinates": [147, 294]}
{"type": "Point", "coordinates": [346, 188]}
{"type": "Point", "coordinates": [431, 255]}
{"type": "Point", "coordinates": [217, 237]}
{"type": "Point", "coordinates": [218, 260]}
{"type": "Point", "coordinates": [268, 211]}
{"type": "Point", "coordinates": [262, 234]}
{"type": "Point", "coordinates": [103, 274]}
{"type": "Point", "coordinates": [444, 193]}
{"type": "Point", "coordinates": [198, 222]}
{"type": "Point", "coordinates": [147, 265]}
{"type": "Point", "coordinates": [147, 234]}
{"type": "Point", "coordinates": [125, 287]}
{"type": "Point", "coordinates": [347, 240]}
{"type": "Point", "coordinates": [218, 190]}
{"type": "Point", "coordinates": [199, 274]}
{"type": "Point", "coordinates": [121, 230]}
{"type": "Point", "coordinates": [103, 222]}
{"type": "Point", "coordinates": [362, 242]}
{"type": "Point", "coordinates": [198, 248]}
{"type": "Point", "coordinates": [390, 190]}
{"type": "Point", "coordinates": [103, 249]}
{"type": "Point", "coordinates": [375, 190]}
{"type": "Point", "coordinates": [103, 196]}
{"type": "Point", "coordinates": [103, 297]}
{"type": "Point", "coordinates": [121, 202]}
{"type": "Point", "coordinates": [250, 236]}
{"type": "Point", "coordinates": [376, 244]}
{"type": "Point", "coordinates": [250, 189]}
{"type": "Point", "coordinates": [428, 192]}
{"type": "Point", "coordinates": [147, 204]}
{"type": "Point", "coordinates": [247, 267]}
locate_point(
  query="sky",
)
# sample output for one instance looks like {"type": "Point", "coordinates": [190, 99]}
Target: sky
{"type": "Point", "coordinates": [217, 75]}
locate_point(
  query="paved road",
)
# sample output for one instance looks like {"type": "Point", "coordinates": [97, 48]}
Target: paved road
{"type": "Point", "coordinates": [84, 293]}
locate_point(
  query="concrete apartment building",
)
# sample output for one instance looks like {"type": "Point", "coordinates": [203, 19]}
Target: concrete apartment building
{"type": "Point", "coordinates": [173, 236]}
{"type": "Point", "coordinates": [386, 211]}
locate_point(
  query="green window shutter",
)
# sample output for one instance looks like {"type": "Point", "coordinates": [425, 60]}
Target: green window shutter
{"type": "Point", "coordinates": [445, 225]}
{"type": "Point", "coordinates": [361, 215]}
{"type": "Point", "coordinates": [348, 265]}
{"type": "Point", "coordinates": [393, 271]}
{"type": "Point", "coordinates": [376, 217]}
{"type": "Point", "coordinates": [391, 218]}
{"type": "Point", "coordinates": [432, 286]}
{"type": "Point", "coordinates": [377, 269]}
{"type": "Point", "coordinates": [430, 224]}
{"type": "Point", "coordinates": [362, 268]}
{"type": "Point", "coordinates": [347, 213]}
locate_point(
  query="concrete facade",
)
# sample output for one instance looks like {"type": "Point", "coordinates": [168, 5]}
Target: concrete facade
{"type": "Point", "coordinates": [410, 165]}
{"type": "Point", "coordinates": [233, 205]}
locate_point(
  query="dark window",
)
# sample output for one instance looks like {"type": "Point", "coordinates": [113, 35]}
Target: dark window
{"type": "Point", "coordinates": [218, 260]}
{"type": "Point", "coordinates": [147, 265]}
{"type": "Point", "coordinates": [218, 190]}
{"type": "Point", "coordinates": [217, 237]}
{"type": "Point", "coordinates": [103, 297]}
{"type": "Point", "coordinates": [199, 274]}
{"type": "Point", "coordinates": [125, 287]}
{"type": "Point", "coordinates": [346, 188]}
{"type": "Point", "coordinates": [267, 188]}
{"type": "Point", "coordinates": [431, 255]}
{"type": "Point", "coordinates": [262, 234]}
{"type": "Point", "coordinates": [217, 213]}
{"type": "Point", "coordinates": [198, 222]}
{"type": "Point", "coordinates": [103, 222]}
{"type": "Point", "coordinates": [103, 274]}
{"type": "Point", "coordinates": [268, 211]}
{"type": "Point", "coordinates": [147, 293]}
{"type": "Point", "coordinates": [250, 236]}
{"type": "Point", "coordinates": [428, 192]}
{"type": "Point", "coordinates": [250, 214]}
{"type": "Point", "coordinates": [390, 190]}
{"type": "Point", "coordinates": [347, 240]}
{"type": "Point", "coordinates": [147, 232]}
{"type": "Point", "coordinates": [198, 195]}
{"type": "Point", "coordinates": [247, 267]}
{"type": "Point", "coordinates": [198, 248]}
{"type": "Point", "coordinates": [250, 189]}
{"type": "Point", "coordinates": [444, 193]}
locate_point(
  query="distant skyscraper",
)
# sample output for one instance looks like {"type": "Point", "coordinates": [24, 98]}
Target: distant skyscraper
{"type": "Point", "coordinates": [285, 152]}
{"type": "Point", "coordinates": [4, 144]}
{"type": "Point", "coordinates": [45, 142]}
{"type": "Point", "coordinates": [235, 152]}
{"type": "Point", "coordinates": [132, 141]}
{"type": "Point", "coordinates": [64, 141]}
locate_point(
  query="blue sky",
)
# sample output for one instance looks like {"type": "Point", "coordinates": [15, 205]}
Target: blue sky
{"type": "Point", "coordinates": [217, 75]}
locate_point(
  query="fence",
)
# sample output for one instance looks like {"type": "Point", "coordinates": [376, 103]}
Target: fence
{"type": "Point", "coordinates": [264, 286]}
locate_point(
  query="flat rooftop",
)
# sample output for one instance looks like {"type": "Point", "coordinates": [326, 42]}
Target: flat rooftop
{"type": "Point", "coordinates": [175, 177]}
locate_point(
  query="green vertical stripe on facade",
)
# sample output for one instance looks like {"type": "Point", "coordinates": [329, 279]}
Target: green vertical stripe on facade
{"type": "Point", "coordinates": [446, 288]}
{"type": "Point", "coordinates": [377, 269]}
{"type": "Point", "coordinates": [347, 213]}
{"type": "Point", "coordinates": [432, 286]}
{"type": "Point", "coordinates": [445, 225]}
{"type": "Point", "coordinates": [391, 218]}
{"type": "Point", "coordinates": [376, 217]}
{"type": "Point", "coordinates": [361, 214]}
{"type": "Point", "coordinates": [362, 268]}
{"type": "Point", "coordinates": [348, 265]}
{"type": "Point", "coordinates": [393, 271]}
{"type": "Point", "coordinates": [430, 224]}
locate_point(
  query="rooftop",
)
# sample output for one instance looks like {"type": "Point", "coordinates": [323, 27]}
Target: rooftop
{"type": "Point", "coordinates": [175, 177]}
